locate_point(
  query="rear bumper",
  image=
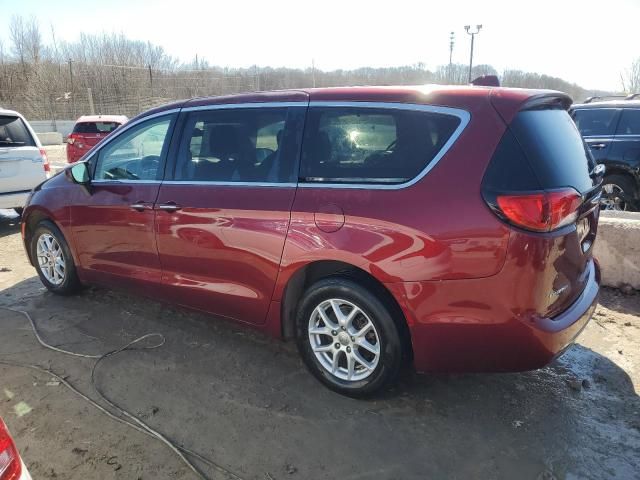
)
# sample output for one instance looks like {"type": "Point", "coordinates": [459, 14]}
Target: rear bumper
{"type": "Point", "coordinates": [14, 199]}
{"type": "Point", "coordinates": [474, 326]}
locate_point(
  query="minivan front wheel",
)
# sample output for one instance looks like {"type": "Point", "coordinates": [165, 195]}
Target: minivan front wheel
{"type": "Point", "coordinates": [347, 337]}
{"type": "Point", "coordinates": [53, 259]}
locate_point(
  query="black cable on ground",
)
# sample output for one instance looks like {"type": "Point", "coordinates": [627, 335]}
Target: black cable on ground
{"type": "Point", "coordinates": [134, 422]}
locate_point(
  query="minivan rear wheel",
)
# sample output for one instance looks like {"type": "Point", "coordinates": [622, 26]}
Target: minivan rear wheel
{"type": "Point", "coordinates": [53, 260]}
{"type": "Point", "coordinates": [347, 337]}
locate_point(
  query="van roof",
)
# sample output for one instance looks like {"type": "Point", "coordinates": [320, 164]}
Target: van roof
{"type": "Point", "coordinates": [507, 100]}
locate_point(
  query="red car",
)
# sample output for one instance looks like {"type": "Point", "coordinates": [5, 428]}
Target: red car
{"type": "Point", "coordinates": [452, 226]}
{"type": "Point", "coordinates": [88, 131]}
{"type": "Point", "coordinates": [11, 465]}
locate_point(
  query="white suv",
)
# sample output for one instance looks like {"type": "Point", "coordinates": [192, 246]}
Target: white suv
{"type": "Point", "coordinates": [23, 161]}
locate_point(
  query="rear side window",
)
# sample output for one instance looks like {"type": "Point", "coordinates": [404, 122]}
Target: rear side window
{"type": "Point", "coordinates": [257, 145]}
{"type": "Point", "coordinates": [629, 122]}
{"type": "Point", "coordinates": [369, 145]}
{"type": "Point", "coordinates": [595, 122]}
{"type": "Point", "coordinates": [95, 127]}
{"type": "Point", "coordinates": [555, 150]}
{"type": "Point", "coordinates": [14, 133]}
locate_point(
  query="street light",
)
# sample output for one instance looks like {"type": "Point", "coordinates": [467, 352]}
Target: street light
{"type": "Point", "coordinates": [452, 41]}
{"type": "Point", "coordinates": [473, 36]}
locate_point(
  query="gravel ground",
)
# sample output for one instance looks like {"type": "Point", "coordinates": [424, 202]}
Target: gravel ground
{"type": "Point", "coordinates": [57, 155]}
{"type": "Point", "coordinates": [245, 401]}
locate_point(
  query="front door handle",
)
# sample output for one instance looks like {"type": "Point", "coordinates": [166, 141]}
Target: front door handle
{"type": "Point", "coordinates": [141, 206]}
{"type": "Point", "coordinates": [598, 146]}
{"type": "Point", "coordinates": [169, 207]}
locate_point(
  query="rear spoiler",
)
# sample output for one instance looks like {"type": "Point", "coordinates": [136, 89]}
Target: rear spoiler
{"type": "Point", "coordinates": [548, 100]}
{"type": "Point", "coordinates": [509, 102]}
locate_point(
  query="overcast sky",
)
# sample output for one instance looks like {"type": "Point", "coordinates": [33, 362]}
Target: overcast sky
{"type": "Point", "coordinates": [584, 41]}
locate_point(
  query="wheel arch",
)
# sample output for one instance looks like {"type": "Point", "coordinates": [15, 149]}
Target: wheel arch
{"type": "Point", "coordinates": [308, 274]}
{"type": "Point", "coordinates": [31, 218]}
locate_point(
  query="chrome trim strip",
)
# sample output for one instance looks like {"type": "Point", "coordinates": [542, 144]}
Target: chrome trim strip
{"type": "Point", "coordinates": [463, 115]}
{"type": "Point", "coordinates": [127, 126]}
{"type": "Point", "coordinates": [230, 184]}
{"type": "Point", "coordinates": [227, 106]}
{"type": "Point", "coordinates": [124, 182]}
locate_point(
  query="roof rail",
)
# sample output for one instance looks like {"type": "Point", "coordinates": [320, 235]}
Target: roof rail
{"type": "Point", "coordinates": [633, 96]}
{"type": "Point", "coordinates": [598, 98]}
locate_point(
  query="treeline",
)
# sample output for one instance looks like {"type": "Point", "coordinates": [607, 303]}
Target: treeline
{"type": "Point", "coordinates": [110, 73]}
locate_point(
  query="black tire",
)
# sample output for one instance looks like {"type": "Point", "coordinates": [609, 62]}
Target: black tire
{"type": "Point", "coordinates": [18, 210]}
{"type": "Point", "coordinates": [70, 284]}
{"type": "Point", "coordinates": [626, 184]}
{"type": "Point", "coordinates": [386, 335]}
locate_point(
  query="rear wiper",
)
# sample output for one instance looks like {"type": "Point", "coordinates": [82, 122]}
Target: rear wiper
{"type": "Point", "coordinates": [7, 142]}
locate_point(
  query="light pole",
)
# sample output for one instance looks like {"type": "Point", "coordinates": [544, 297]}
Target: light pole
{"type": "Point", "coordinates": [452, 41]}
{"type": "Point", "coordinates": [473, 36]}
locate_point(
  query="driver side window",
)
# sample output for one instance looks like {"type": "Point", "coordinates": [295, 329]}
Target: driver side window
{"type": "Point", "coordinates": [136, 154]}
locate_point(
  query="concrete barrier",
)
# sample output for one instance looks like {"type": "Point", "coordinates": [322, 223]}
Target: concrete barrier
{"type": "Point", "coordinates": [49, 138]}
{"type": "Point", "coordinates": [617, 248]}
{"type": "Point", "coordinates": [63, 126]}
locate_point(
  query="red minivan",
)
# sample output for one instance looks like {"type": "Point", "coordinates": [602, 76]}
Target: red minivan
{"type": "Point", "coordinates": [449, 226]}
{"type": "Point", "coordinates": [88, 131]}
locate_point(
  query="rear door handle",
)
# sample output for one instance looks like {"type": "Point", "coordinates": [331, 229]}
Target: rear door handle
{"type": "Point", "coordinates": [597, 146]}
{"type": "Point", "coordinates": [169, 207]}
{"type": "Point", "coordinates": [141, 206]}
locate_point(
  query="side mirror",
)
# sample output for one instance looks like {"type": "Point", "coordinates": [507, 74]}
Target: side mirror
{"type": "Point", "coordinates": [80, 174]}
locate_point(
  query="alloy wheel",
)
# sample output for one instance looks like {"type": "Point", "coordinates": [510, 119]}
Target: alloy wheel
{"type": "Point", "coordinates": [51, 259]}
{"type": "Point", "coordinates": [344, 340]}
{"type": "Point", "coordinates": [613, 198]}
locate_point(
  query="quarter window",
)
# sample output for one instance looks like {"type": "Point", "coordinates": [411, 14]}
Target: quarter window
{"type": "Point", "coordinates": [595, 122]}
{"type": "Point", "coordinates": [240, 145]}
{"type": "Point", "coordinates": [366, 145]}
{"type": "Point", "coordinates": [136, 154]}
{"type": "Point", "coordinates": [629, 122]}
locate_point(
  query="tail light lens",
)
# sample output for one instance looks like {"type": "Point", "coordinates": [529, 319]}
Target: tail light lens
{"type": "Point", "coordinates": [10, 466]}
{"type": "Point", "coordinates": [540, 211]}
{"type": "Point", "coordinates": [45, 162]}
{"type": "Point", "coordinates": [71, 139]}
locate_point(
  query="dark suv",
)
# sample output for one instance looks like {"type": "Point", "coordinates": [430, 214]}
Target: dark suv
{"type": "Point", "coordinates": [452, 226]}
{"type": "Point", "coordinates": [611, 129]}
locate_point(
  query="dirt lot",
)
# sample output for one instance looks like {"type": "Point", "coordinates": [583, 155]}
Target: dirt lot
{"type": "Point", "coordinates": [246, 402]}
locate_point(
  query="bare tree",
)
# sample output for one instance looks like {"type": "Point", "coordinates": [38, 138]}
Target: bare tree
{"type": "Point", "coordinates": [32, 40]}
{"type": "Point", "coordinates": [17, 36]}
{"type": "Point", "coordinates": [631, 78]}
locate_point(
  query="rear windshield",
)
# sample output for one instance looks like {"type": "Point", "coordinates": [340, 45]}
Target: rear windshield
{"type": "Point", "coordinates": [554, 148]}
{"type": "Point", "coordinates": [596, 121]}
{"type": "Point", "coordinates": [14, 133]}
{"type": "Point", "coordinates": [95, 127]}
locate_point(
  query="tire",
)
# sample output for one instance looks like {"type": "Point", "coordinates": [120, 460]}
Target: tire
{"type": "Point", "coordinates": [345, 294]}
{"type": "Point", "coordinates": [18, 210]}
{"type": "Point", "coordinates": [66, 283]}
{"type": "Point", "coordinates": [625, 200]}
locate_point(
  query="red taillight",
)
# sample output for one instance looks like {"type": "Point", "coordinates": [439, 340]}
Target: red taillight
{"type": "Point", "coordinates": [45, 161]}
{"type": "Point", "coordinates": [10, 466]}
{"type": "Point", "coordinates": [541, 211]}
{"type": "Point", "coordinates": [71, 139]}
